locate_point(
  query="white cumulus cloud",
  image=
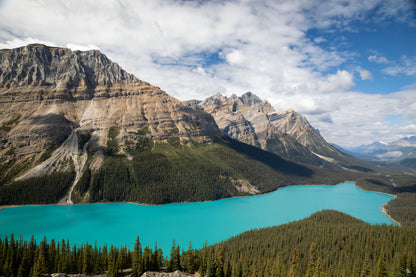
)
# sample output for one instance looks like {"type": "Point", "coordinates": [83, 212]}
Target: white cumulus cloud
{"type": "Point", "coordinates": [377, 59]}
{"type": "Point", "coordinates": [193, 49]}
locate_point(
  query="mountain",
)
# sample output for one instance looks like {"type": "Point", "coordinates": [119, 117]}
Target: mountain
{"type": "Point", "coordinates": [75, 128]}
{"type": "Point", "coordinates": [404, 148]}
{"type": "Point", "coordinates": [252, 120]}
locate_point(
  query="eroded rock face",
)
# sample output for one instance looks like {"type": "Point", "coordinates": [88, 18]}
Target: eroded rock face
{"type": "Point", "coordinates": [254, 121]}
{"type": "Point", "coordinates": [46, 93]}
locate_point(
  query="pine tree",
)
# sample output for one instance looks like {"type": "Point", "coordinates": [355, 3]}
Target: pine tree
{"type": "Point", "coordinates": [189, 259]}
{"type": "Point", "coordinates": [25, 265]}
{"type": "Point", "coordinates": [318, 270]}
{"type": "Point", "coordinates": [112, 269]}
{"type": "Point", "coordinates": [294, 265]}
{"type": "Point", "coordinates": [40, 265]}
{"type": "Point", "coordinates": [311, 267]}
{"type": "Point", "coordinates": [219, 260]}
{"type": "Point", "coordinates": [276, 267]}
{"type": "Point", "coordinates": [203, 259]}
{"type": "Point", "coordinates": [156, 259]}
{"type": "Point", "coordinates": [137, 267]}
{"type": "Point", "coordinates": [210, 272]}
{"type": "Point", "coordinates": [381, 266]}
{"type": "Point", "coordinates": [87, 263]}
{"type": "Point", "coordinates": [365, 268]}
{"type": "Point", "coordinates": [101, 264]}
{"type": "Point", "coordinates": [174, 262]}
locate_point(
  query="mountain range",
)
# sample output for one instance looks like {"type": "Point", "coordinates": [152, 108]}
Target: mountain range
{"type": "Point", "coordinates": [396, 150]}
{"type": "Point", "coordinates": [288, 134]}
{"type": "Point", "coordinates": [398, 155]}
{"type": "Point", "coordinates": [76, 127]}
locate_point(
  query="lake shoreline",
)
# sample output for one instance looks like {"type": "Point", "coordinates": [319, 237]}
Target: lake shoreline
{"type": "Point", "coordinates": [384, 211]}
{"type": "Point", "coordinates": [121, 222]}
{"type": "Point", "coordinates": [147, 204]}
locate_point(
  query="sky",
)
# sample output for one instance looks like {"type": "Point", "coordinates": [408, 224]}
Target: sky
{"type": "Point", "coordinates": [348, 66]}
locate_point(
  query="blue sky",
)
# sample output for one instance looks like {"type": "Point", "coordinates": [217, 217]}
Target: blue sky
{"type": "Point", "coordinates": [348, 66]}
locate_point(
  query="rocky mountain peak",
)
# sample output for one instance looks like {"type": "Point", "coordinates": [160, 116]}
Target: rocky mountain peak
{"type": "Point", "coordinates": [254, 121]}
{"type": "Point", "coordinates": [59, 71]}
{"type": "Point", "coordinates": [291, 122]}
{"type": "Point", "coordinates": [250, 99]}
{"type": "Point", "coordinates": [51, 95]}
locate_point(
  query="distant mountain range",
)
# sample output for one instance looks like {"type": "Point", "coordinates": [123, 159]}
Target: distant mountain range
{"type": "Point", "coordinates": [76, 128]}
{"type": "Point", "coordinates": [400, 149]}
{"type": "Point", "coordinates": [400, 154]}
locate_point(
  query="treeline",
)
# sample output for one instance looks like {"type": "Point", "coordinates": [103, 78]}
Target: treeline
{"type": "Point", "coordinates": [44, 189]}
{"type": "Point", "coordinates": [403, 208]}
{"type": "Point", "coordinates": [164, 173]}
{"type": "Point", "coordinates": [328, 243]}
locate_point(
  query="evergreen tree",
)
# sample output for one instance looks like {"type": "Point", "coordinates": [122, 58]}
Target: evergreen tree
{"type": "Point", "coordinates": [365, 268]}
{"type": "Point", "coordinates": [276, 268]}
{"type": "Point", "coordinates": [210, 272]}
{"type": "Point", "coordinates": [311, 267]}
{"type": "Point", "coordinates": [25, 265]}
{"type": "Point", "coordinates": [174, 262]}
{"type": "Point", "coordinates": [381, 266]}
{"type": "Point", "coordinates": [294, 265]}
{"type": "Point", "coordinates": [219, 260]}
{"type": "Point", "coordinates": [40, 265]}
{"type": "Point", "coordinates": [112, 269]}
{"type": "Point", "coordinates": [137, 259]}
{"type": "Point", "coordinates": [101, 264]}
{"type": "Point", "coordinates": [189, 260]}
{"type": "Point", "coordinates": [87, 263]}
{"type": "Point", "coordinates": [156, 259]}
{"type": "Point", "coordinates": [203, 259]}
{"type": "Point", "coordinates": [122, 259]}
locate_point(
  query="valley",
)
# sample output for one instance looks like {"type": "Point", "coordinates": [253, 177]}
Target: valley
{"type": "Point", "coordinates": [75, 128]}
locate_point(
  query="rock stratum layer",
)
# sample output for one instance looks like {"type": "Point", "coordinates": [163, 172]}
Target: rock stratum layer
{"type": "Point", "coordinates": [46, 93]}
{"type": "Point", "coordinates": [254, 121]}
{"type": "Point", "coordinates": [76, 128]}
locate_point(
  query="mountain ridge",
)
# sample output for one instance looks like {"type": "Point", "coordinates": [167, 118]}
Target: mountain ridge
{"type": "Point", "coordinates": [254, 121]}
{"type": "Point", "coordinates": [76, 128]}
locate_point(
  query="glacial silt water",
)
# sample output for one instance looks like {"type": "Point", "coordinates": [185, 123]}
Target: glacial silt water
{"type": "Point", "coordinates": [121, 223]}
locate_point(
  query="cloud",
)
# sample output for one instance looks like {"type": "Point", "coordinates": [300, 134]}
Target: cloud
{"type": "Point", "coordinates": [376, 59]}
{"type": "Point", "coordinates": [364, 73]}
{"type": "Point", "coordinates": [193, 49]}
{"type": "Point", "coordinates": [82, 47]}
{"type": "Point", "coordinates": [407, 66]}
{"type": "Point", "coordinates": [342, 80]}
{"type": "Point", "coordinates": [18, 42]}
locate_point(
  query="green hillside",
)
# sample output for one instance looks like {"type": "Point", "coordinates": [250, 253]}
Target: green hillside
{"type": "Point", "coordinates": [171, 172]}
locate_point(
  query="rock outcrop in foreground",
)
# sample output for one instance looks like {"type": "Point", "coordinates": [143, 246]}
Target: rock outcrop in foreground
{"type": "Point", "coordinates": [177, 273]}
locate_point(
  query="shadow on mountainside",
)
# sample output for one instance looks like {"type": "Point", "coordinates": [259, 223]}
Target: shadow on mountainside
{"type": "Point", "coordinates": [272, 160]}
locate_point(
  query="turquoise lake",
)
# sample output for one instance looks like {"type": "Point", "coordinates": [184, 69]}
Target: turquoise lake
{"type": "Point", "coordinates": [121, 223]}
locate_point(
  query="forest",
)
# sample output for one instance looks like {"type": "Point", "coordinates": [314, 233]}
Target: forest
{"type": "Point", "coordinates": [166, 172]}
{"type": "Point", "coordinates": [327, 243]}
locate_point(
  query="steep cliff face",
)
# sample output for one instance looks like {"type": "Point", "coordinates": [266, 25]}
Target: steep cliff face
{"type": "Point", "coordinates": [254, 121]}
{"type": "Point", "coordinates": [48, 93]}
{"type": "Point", "coordinates": [76, 128]}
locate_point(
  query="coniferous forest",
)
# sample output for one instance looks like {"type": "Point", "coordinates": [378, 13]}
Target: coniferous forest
{"type": "Point", "coordinates": [327, 243]}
